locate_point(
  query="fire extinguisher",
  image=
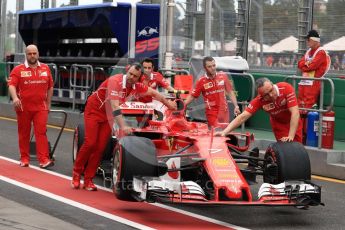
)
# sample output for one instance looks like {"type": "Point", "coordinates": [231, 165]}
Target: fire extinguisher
{"type": "Point", "coordinates": [328, 130]}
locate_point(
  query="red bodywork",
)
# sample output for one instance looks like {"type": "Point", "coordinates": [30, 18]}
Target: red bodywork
{"type": "Point", "coordinates": [175, 132]}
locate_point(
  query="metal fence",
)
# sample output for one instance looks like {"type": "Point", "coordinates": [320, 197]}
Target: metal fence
{"type": "Point", "coordinates": [321, 105]}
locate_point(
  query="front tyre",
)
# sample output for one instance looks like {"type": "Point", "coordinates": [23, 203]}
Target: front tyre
{"type": "Point", "coordinates": [286, 161]}
{"type": "Point", "coordinates": [133, 156]}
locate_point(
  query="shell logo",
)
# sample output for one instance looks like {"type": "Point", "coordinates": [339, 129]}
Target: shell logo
{"type": "Point", "coordinates": [221, 162]}
{"type": "Point", "coordinates": [228, 175]}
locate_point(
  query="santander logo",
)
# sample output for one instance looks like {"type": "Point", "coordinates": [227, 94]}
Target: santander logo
{"type": "Point", "coordinates": [136, 105]}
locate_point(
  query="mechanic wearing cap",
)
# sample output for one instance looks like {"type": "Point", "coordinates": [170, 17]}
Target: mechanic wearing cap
{"type": "Point", "coordinates": [31, 89]}
{"type": "Point", "coordinates": [214, 87]}
{"type": "Point", "coordinates": [102, 108]}
{"type": "Point", "coordinates": [314, 64]}
{"type": "Point", "coordinates": [279, 100]}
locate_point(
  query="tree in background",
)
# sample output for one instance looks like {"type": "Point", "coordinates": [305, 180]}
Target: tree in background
{"type": "Point", "coordinates": [280, 20]}
{"type": "Point", "coordinates": [331, 23]}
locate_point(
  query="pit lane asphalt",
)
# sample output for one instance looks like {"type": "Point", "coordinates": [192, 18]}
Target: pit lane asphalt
{"type": "Point", "coordinates": [16, 203]}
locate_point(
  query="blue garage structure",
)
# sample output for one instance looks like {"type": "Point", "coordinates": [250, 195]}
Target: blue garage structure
{"type": "Point", "coordinates": [84, 43]}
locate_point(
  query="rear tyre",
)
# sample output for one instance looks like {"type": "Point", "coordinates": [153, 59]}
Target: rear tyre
{"type": "Point", "coordinates": [78, 140]}
{"type": "Point", "coordinates": [133, 156]}
{"type": "Point", "coordinates": [286, 161]}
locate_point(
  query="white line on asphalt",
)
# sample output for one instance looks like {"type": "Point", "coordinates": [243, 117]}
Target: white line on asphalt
{"type": "Point", "coordinates": [76, 204]}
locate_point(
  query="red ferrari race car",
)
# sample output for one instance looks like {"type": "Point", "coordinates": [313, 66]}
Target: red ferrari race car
{"type": "Point", "coordinates": [180, 161]}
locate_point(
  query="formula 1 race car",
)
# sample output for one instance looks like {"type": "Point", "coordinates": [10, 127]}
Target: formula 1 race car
{"type": "Point", "coordinates": [179, 161]}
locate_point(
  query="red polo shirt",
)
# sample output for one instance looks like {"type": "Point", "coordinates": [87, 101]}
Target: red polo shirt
{"type": "Point", "coordinates": [154, 80]}
{"type": "Point", "coordinates": [32, 85]}
{"type": "Point", "coordinates": [278, 110]}
{"type": "Point", "coordinates": [114, 88]}
{"type": "Point", "coordinates": [214, 91]}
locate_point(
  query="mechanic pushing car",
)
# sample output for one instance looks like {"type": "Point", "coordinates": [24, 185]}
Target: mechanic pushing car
{"type": "Point", "coordinates": [214, 87]}
{"type": "Point", "coordinates": [31, 89]}
{"type": "Point", "coordinates": [279, 100]}
{"type": "Point", "coordinates": [102, 109]}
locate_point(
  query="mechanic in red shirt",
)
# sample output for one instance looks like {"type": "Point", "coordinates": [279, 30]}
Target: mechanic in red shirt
{"type": "Point", "coordinates": [214, 86]}
{"type": "Point", "coordinates": [279, 100]}
{"type": "Point", "coordinates": [31, 89]}
{"type": "Point", "coordinates": [314, 64]}
{"type": "Point", "coordinates": [102, 108]}
{"type": "Point", "coordinates": [152, 79]}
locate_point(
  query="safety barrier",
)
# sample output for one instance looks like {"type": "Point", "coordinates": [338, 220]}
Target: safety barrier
{"type": "Point", "coordinates": [320, 108]}
{"type": "Point", "coordinates": [99, 76]}
{"type": "Point", "coordinates": [62, 88]}
{"type": "Point", "coordinates": [53, 70]}
{"type": "Point", "coordinates": [73, 84]}
{"type": "Point", "coordinates": [82, 81]}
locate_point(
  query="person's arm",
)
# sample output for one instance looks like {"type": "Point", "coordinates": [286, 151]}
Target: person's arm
{"type": "Point", "coordinates": [13, 81]}
{"type": "Point", "coordinates": [13, 92]}
{"type": "Point", "coordinates": [229, 89]}
{"type": "Point", "coordinates": [116, 110]}
{"type": "Point", "coordinates": [49, 97]}
{"type": "Point", "coordinates": [239, 120]}
{"type": "Point", "coordinates": [293, 124]}
{"type": "Point", "coordinates": [301, 62]}
{"type": "Point", "coordinates": [114, 89]}
{"type": "Point", "coordinates": [169, 88]}
{"type": "Point", "coordinates": [163, 83]}
{"type": "Point", "coordinates": [159, 97]}
{"type": "Point", "coordinates": [317, 61]}
{"type": "Point", "coordinates": [233, 99]}
{"type": "Point", "coordinates": [319, 58]}
{"type": "Point", "coordinates": [189, 99]}
{"type": "Point", "coordinates": [50, 88]}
